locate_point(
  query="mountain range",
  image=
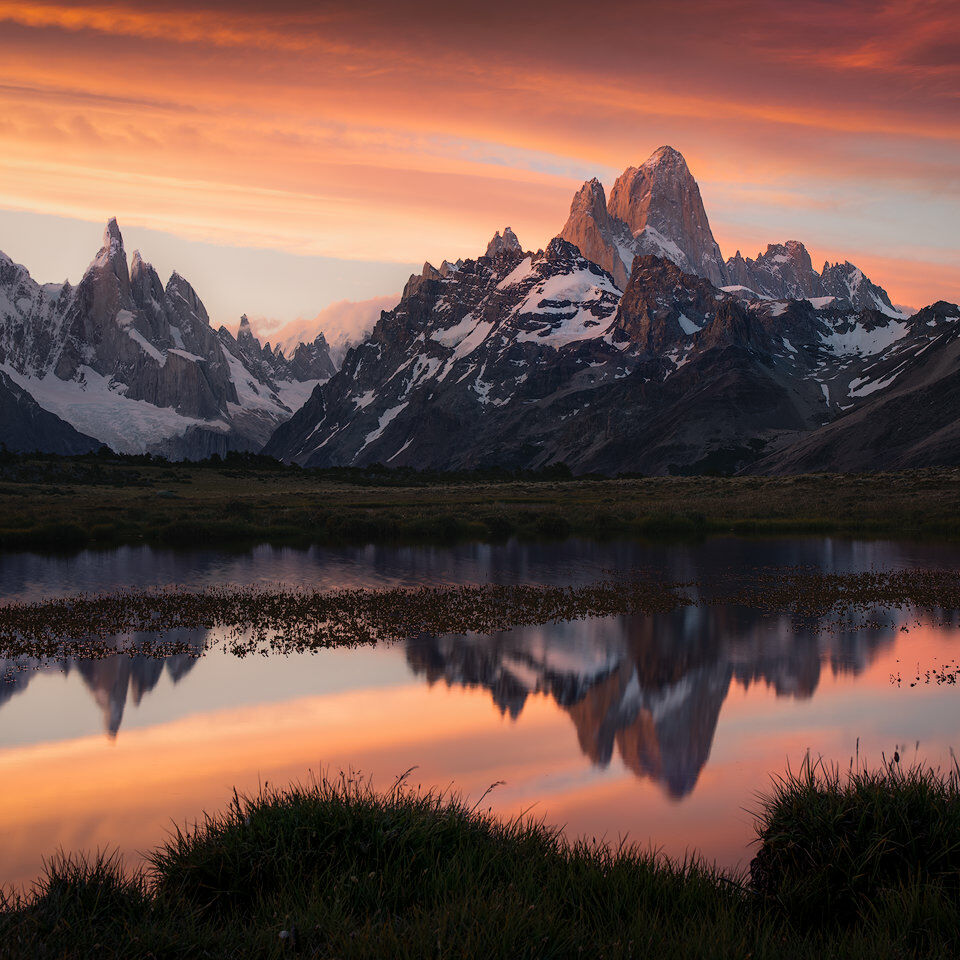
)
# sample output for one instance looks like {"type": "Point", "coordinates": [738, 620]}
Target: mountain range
{"type": "Point", "coordinates": [649, 689]}
{"type": "Point", "coordinates": [628, 344]}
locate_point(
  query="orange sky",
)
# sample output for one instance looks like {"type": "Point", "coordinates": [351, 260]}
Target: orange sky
{"type": "Point", "coordinates": [392, 133]}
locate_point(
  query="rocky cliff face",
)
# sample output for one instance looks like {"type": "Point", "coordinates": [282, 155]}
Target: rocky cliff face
{"type": "Point", "coordinates": [660, 203]}
{"type": "Point", "coordinates": [135, 363]}
{"type": "Point", "coordinates": [654, 209]}
{"type": "Point", "coordinates": [604, 239]}
{"type": "Point", "coordinates": [900, 410]}
{"type": "Point", "coordinates": [458, 359]}
{"type": "Point", "coordinates": [785, 272]}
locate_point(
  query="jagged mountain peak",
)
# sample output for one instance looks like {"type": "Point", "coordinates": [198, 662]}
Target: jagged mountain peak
{"type": "Point", "coordinates": [179, 288]}
{"type": "Point", "coordinates": [111, 250]}
{"type": "Point", "coordinates": [791, 248]}
{"type": "Point", "coordinates": [134, 363]}
{"type": "Point", "coordinates": [503, 245]}
{"type": "Point", "coordinates": [589, 201]}
{"type": "Point", "coordinates": [112, 259]}
{"type": "Point", "coordinates": [111, 234]}
{"type": "Point", "coordinates": [589, 195]}
{"type": "Point", "coordinates": [447, 269]}
{"type": "Point", "coordinates": [654, 209]}
{"type": "Point", "coordinates": [666, 154]}
{"type": "Point", "coordinates": [660, 202]}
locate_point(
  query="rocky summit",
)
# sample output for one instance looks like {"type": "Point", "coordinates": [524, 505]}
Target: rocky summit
{"type": "Point", "coordinates": [654, 209]}
{"type": "Point", "coordinates": [134, 363]}
{"type": "Point", "coordinates": [657, 209]}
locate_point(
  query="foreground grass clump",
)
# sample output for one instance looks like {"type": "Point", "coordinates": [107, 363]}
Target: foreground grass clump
{"type": "Point", "coordinates": [833, 847]}
{"type": "Point", "coordinates": [335, 869]}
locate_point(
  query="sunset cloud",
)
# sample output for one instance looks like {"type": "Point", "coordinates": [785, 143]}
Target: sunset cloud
{"type": "Point", "coordinates": [385, 132]}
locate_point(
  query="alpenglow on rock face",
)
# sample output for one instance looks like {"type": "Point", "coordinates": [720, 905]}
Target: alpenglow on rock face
{"type": "Point", "coordinates": [657, 209]}
{"type": "Point", "coordinates": [660, 203]}
{"type": "Point", "coordinates": [135, 364]}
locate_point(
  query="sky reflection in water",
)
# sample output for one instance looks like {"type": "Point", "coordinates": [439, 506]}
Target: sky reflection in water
{"type": "Point", "coordinates": [659, 728]}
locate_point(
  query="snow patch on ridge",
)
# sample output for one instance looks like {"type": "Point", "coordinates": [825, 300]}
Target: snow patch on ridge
{"type": "Point", "coordinates": [385, 420]}
{"type": "Point", "coordinates": [519, 273]}
{"type": "Point", "coordinates": [573, 306]}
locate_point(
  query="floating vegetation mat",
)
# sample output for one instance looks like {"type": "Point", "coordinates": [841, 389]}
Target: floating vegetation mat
{"type": "Point", "coordinates": [802, 592]}
{"type": "Point", "coordinates": [248, 620]}
{"type": "Point", "coordinates": [942, 673]}
{"type": "Point", "coordinates": [256, 620]}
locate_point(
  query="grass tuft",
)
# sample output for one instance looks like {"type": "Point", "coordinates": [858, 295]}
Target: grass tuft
{"type": "Point", "coordinates": [832, 845]}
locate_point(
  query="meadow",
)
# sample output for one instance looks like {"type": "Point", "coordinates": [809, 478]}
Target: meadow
{"type": "Point", "coordinates": [68, 503]}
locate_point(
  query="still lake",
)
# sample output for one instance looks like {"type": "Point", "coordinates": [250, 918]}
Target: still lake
{"type": "Point", "coordinates": [660, 729]}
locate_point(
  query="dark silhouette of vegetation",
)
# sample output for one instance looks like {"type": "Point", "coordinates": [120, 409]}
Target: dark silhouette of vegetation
{"type": "Point", "coordinates": [336, 869]}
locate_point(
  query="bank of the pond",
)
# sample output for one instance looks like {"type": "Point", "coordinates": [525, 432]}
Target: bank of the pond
{"type": "Point", "coordinates": [864, 865]}
{"type": "Point", "coordinates": [69, 503]}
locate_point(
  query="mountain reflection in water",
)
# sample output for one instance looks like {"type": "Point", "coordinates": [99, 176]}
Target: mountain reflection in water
{"type": "Point", "coordinates": [661, 729]}
{"type": "Point", "coordinates": [650, 687]}
{"type": "Point", "coordinates": [112, 679]}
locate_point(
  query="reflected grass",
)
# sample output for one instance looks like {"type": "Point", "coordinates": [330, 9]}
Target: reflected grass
{"type": "Point", "coordinates": [261, 620]}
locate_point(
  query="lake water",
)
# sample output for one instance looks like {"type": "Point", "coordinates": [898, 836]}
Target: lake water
{"type": "Point", "coordinates": [660, 729]}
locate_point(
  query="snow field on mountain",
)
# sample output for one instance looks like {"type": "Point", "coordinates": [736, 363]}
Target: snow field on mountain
{"type": "Point", "coordinates": [519, 273]}
{"type": "Point", "coordinates": [95, 408]}
{"type": "Point", "coordinates": [862, 342]}
{"type": "Point", "coordinates": [569, 298]}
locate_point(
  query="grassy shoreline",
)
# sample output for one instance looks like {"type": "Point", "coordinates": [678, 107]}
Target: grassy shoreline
{"type": "Point", "coordinates": [70, 503]}
{"type": "Point", "coordinates": [861, 865]}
